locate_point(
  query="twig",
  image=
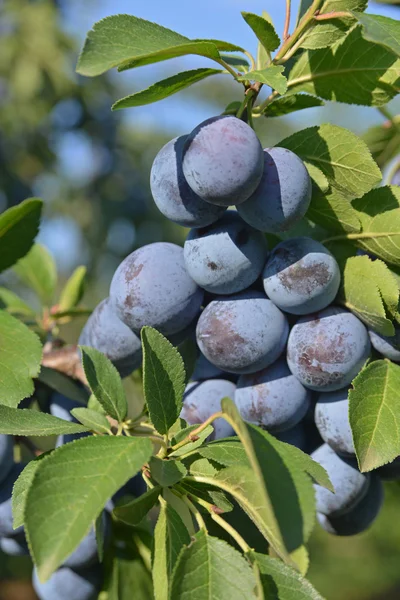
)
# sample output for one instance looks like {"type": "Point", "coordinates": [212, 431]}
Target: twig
{"type": "Point", "coordinates": [287, 21]}
{"type": "Point", "coordinates": [194, 435]}
{"type": "Point", "coordinates": [232, 532]}
{"type": "Point", "coordinates": [333, 15]}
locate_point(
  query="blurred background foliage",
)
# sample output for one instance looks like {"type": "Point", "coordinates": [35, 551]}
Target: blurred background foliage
{"type": "Point", "coordinates": [60, 141]}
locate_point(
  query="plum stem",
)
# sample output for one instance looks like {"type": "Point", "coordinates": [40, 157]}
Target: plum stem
{"type": "Point", "coordinates": [189, 438]}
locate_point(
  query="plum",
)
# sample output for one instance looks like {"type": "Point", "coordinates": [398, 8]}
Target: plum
{"type": "Point", "coordinates": [301, 276]}
{"type": "Point", "coordinates": [152, 287]}
{"type": "Point", "coordinates": [108, 334]}
{"type": "Point", "coordinates": [226, 257]}
{"type": "Point", "coordinates": [283, 195]}
{"type": "Point", "coordinates": [171, 192]}
{"type": "Point", "coordinates": [332, 421]}
{"type": "Point", "coordinates": [14, 545]}
{"type": "Point", "coordinates": [70, 584]}
{"type": "Point", "coordinates": [326, 350]}
{"type": "Point", "coordinates": [272, 398]}
{"type": "Point", "coordinates": [388, 346]}
{"type": "Point", "coordinates": [6, 455]}
{"type": "Point", "coordinates": [202, 399]}
{"type": "Point", "coordinates": [349, 484]}
{"type": "Point", "coordinates": [243, 333]}
{"type": "Point", "coordinates": [223, 160]}
{"type": "Point", "coordinates": [358, 518]}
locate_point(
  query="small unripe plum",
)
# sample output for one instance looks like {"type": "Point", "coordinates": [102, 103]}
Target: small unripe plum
{"type": "Point", "coordinates": [15, 545]}
{"type": "Point", "coordinates": [332, 421]}
{"type": "Point", "coordinates": [226, 257]}
{"type": "Point", "coordinates": [152, 287]}
{"type": "Point", "coordinates": [326, 350]}
{"type": "Point", "coordinates": [243, 333]}
{"type": "Point", "coordinates": [388, 346]}
{"type": "Point", "coordinates": [223, 160]}
{"type": "Point", "coordinates": [202, 399]}
{"type": "Point", "coordinates": [171, 192]}
{"type": "Point", "coordinates": [6, 488]}
{"type": "Point", "coordinates": [358, 518]}
{"type": "Point", "coordinates": [108, 334]}
{"type": "Point", "coordinates": [272, 398]}
{"type": "Point", "coordinates": [6, 455]}
{"type": "Point", "coordinates": [349, 484]}
{"type": "Point", "coordinates": [283, 195]}
{"type": "Point", "coordinates": [70, 584]}
{"type": "Point", "coordinates": [301, 276]}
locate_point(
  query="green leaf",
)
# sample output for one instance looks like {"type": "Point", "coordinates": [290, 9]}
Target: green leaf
{"type": "Point", "coordinates": [37, 270]}
{"type": "Point", "coordinates": [20, 490]}
{"type": "Point", "coordinates": [206, 492]}
{"type": "Point", "coordinates": [248, 486]}
{"type": "Point", "coordinates": [280, 582]}
{"type": "Point", "coordinates": [100, 531]}
{"type": "Point", "coordinates": [202, 436]}
{"type": "Point", "coordinates": [105, 382]}
{"type": "Point", "coordinates": [271, 76]}
{"type": "Point", "coordinates": [166, 472]}
{"type": "Point", "coordinates": [129, 573]}
{"type": "Point", "coordinates": [92, 419]}
{"type": "Point", "coordinates": [379, 213]}
{"type": "Point", "coordinates": [363, 287]}
{"type": "Point", "coordinates": [374, 411]}
{"type": "Point", "coordinates": [288, 104]}
{"type": "Point", "coordinates": [163, 379]}
{"type": "Point", "coordinates": [127, 41]}
{"type": "Point", "coordinates": [20, 357]}
{"type": "Point", "coordinates": [70, 489]}
{"type": "Point", "coordinates": [13, 304]}
{"type": "Point", "coordinates": [381, 30]}
{"type": "Point", "coordinates": [73, 290]}
{"type": "Point", "coordinates": [326, 33]}
{"type": "Point", "coordinates": [318, 178]}
{"type": "Point", "coordinates": [384, 140]}
{"type": "Point", "coordinates": [135, 511]}
{"type": "Point", "coordinates": [333, 212]}
{"type": "Point", "coordinates": [353, 71]}
{"type": "Point", "coordinates": [61, 383]}
{"type": "Point", "coordinates": [211, 568]}
{"type": "Point", "coordinates": [181, 508]}
{"type": "Point", "coordinates": [170, 536]}
{"type": "Point", "coordinates": [166, 87]}
{"type": "Point", "coordinates": [19, 225]}
{"type": "Point", "coordinates": [25, 422]}
{"type": "Point", "coordinates": [264, 31]}
{"type": "Point", "coordinates": [342, 157]}
{"type": "Point", "coordinates": [303, 462]}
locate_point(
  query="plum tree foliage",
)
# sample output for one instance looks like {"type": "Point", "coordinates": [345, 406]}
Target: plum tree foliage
{"type": "Point", "coordinates": [296, 291]}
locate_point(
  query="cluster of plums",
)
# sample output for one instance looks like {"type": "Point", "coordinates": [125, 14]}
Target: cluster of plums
{"type": "Point", "coordinates": [267, 333]}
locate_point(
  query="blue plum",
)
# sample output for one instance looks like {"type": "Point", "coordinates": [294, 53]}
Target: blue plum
{"type": "Point", "coordinates": [388, 346]}
{"type": "Point", "coordinates": [6, 488]}
{"type": "Point", "coordinates": [332, 421]}
{"type": "Point", "coordinates": [295, 436]}
{"type": "Point", "coordinates": [223, 161]}
{"type": "Point", "coordinates": [69, 584]}
{"type": "Point", "coordinates": [204, 369]}
{"type": "Point", "coordinates": [283, 195]}
{"type": "Point", "coordinates": [6, 455]}
{"type": "Point", "coordinates": [349, 484]}
{"type": "Point", "coordinates": [301, 276]}
{"type": "Point", "coordinates": [61, 406]}
{"type": "Point", "coordinates": [226, 257]}
{"type": "Point", "coordinates": [243, 333]}
{"type": "Point", "coordinates": [152, 287]}
{"type": "Point", "coordinates": [327, 349]}
{"type": "Point", "coordinates": [14, 545]}
{"type": "Point", "coordinates": [108, 334]}
{"type": "Point", "coordinates": [202, 399]}
{"type": "Point", "coordinates": [171, 192]}
{"type": "Point", "coordinates": [272, 398]}
{"type": "Point", "coordinates": [359, 517]}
